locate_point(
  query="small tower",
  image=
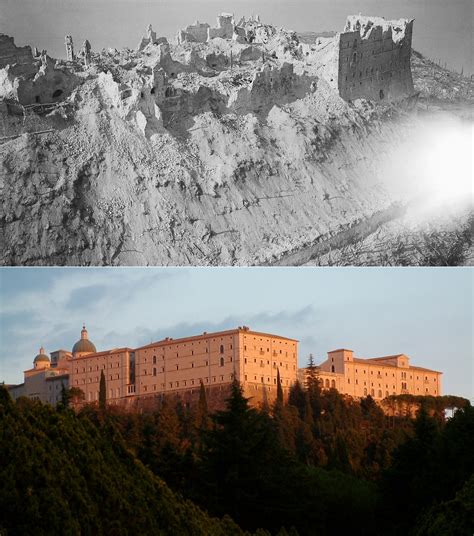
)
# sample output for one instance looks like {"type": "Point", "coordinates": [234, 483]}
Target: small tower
{"type": "Point", "coordinates": [69, 48]}
{"type": "Point", "coordinates": [41, 361]}
{"type": "Point", "coordinates": [86, 53]}
{"type": "Point", "coordinates": [83, 345]}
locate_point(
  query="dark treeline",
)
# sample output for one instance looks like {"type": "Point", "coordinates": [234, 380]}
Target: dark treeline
{"type": "Point", "coordinates": [318, 464]}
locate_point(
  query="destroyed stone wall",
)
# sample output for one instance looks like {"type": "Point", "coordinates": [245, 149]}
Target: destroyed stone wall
{"type": "Point", "coordinates": [374, 59]}
{"type": "Point", "coordinates": [196, 32]}
{"type": "Point", "coordinates": [224, 29]}
{"type": "Point", "coordinates": [10, 54]}
{"type": "Point", "coordinates": [270, 86]}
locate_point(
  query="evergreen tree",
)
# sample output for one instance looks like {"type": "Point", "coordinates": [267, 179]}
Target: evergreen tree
{"type": "Point", "coordinates": [102, 392]}
{"type": "Point", "coordinates": [65, 396]}
{"type": "Point", "coordinates": [297, 397]}
{"type": "Point", "coordinates": [279, 396]}
{"type": "Point", "coordinates": [202, 412]}
{"type": "Point", "coordinates": [311, 373]}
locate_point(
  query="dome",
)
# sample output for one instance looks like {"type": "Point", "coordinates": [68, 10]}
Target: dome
{"type": "Point", "coordinates": [41, 361]}
{"type": "Point", "coordinates": [41, 357]}
{"type": "Point", "coordinates": [84, 345]}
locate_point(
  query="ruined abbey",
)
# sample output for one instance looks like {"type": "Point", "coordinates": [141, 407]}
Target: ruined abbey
{"type": "Point", "coordinates": [234, 67]}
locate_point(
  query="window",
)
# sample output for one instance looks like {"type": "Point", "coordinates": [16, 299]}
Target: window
{"type": "Point", "coordinates": [365, 391]}
{"type": "Point", "coordinates": [154, 359]}
{"type": "Point", "coordinates": [332, 368]}
{"type": "Point", "coordinates": [222, 361]}
{"type": "Point", "coordinates": [222, 349]}
{"type": "Point", "coordinates": [154, 371]}
{"type": "Point", "coordinates": [333, 384]}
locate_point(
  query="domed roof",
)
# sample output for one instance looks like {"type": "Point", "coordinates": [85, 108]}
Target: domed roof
{"type": "Point", "coordinates": [41, 356]}
{"type": "Point", "coordinates": [84, 345]}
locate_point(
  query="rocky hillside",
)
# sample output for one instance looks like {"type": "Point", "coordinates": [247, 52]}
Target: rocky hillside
{"type": "Point", "coordinates": [248, 157]}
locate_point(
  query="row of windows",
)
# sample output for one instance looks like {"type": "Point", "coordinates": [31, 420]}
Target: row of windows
{"type": "Point", "coordinates": [185, 383]}
{"type": "Point", "coordinates": [84, 369]}
{"type": "Point", "coordinates": [221, 364]}
{"type": "Point", "coordinates": [221, 350]}
{"type": "Point", "coordinates": [262, 363]}
{"type": "Point", "coordinates": [262, 380]}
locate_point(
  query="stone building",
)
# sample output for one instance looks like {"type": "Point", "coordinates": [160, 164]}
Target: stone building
{"type": "Point", "coordinates": [378, 377]}
{"type": "Point", "coordinates": [170, 366]}
{"type": "Point", "coordinates": [45, 381]}
{"type": "Point", "coordinates": [374, 59]}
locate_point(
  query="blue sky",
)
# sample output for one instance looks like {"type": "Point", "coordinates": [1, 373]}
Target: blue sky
{"type": "Point", "coordinates": [442, 28]}
{"type": "Point", "coordinates": [425, 313]}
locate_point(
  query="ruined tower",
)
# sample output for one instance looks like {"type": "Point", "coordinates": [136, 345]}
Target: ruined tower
{"type": "Point", "coordinates": [69, 48]}
{"type": "Point", "coordinates": [374, 59]}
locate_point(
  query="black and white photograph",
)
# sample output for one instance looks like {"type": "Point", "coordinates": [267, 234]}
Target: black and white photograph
{"type": "Point", "coordinates": [277, 133]}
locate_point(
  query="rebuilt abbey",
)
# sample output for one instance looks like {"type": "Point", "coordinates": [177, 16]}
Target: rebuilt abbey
{"type": "Point", "coordinates": [169, 366]}
{"type": "Point", "coordinates": [179, 366]}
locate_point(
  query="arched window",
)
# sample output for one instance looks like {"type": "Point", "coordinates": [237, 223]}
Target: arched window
{"type": "Point", "coordinates": [381, 94]}
{"type": "Point", "coordinates": [380, 394]}
{"type": "Point", "coordinates": [333, 384]}
{"type": "Point", "coordinates": [332, 368]}
{"type": "Point", "coordinates": [372, 392]}
{"type": "Point", "coordinates": [222, 361]}
{"type": "Point", "coordinates": [222, 348]}
{"type": "Point", "coordinates": [154, 359]}
{"type": "Point", "coordinates": [327, 384]}
{"type": "Point", "coordinates": [154, 371]}
{"type": "Point", "coordinates": [365, 391]}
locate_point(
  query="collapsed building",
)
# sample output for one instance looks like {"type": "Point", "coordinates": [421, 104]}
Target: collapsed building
{"type": "Point", "coordinates": [233, 67]}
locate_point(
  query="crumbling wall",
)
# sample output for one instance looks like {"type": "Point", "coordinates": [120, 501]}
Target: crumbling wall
{"type": "Point", "coordinates": [270, 86]}
{"type": "Point", "coordinates": [150, 39]}
{"type": "Point", "coordinates": [196, 33]}
{"type": "Point", "coordinates": [10, 54]}
{"type": "Point", "coordinates": [374, 59]}
{"type": "Point", "coordinates": [224, 29]}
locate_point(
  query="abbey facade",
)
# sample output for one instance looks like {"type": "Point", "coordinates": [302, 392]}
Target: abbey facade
{"type": "Point", "coordinates": [379, 377]}
{"type": "Point", "coordinates": [170, 366]}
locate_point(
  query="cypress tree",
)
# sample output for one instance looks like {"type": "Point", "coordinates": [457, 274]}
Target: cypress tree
{"type": "Point", "coordinates": [102, 391]}
{"type": "Point", "coordinates": [311, 373]}
{"type": "Point", "coordinates": [279, 397]}
{"type": "Point", "coordinates": [202, 412]}
{"type": "Point", "coordinates": [65, 396]}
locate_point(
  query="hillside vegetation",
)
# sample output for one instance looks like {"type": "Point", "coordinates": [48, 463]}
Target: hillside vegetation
{"type": "Point", "coordinates": [318, 464]}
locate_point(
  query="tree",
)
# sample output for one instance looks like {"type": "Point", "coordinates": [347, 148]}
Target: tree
{"type": "Point", "coordinates": [244, 467]}
{"type": "Point", "coordinates": [202, 412]}
{"type": "Point", "coordinates": [65, 396]}
{"type": "Point", "coordinates": [76, 396]}
{"type": "Point", "coordinates": [279, 397]}
{"type": "Point", "coordinates": [102, 392]}
{"type": "Point", "coordinates": [311, 373]}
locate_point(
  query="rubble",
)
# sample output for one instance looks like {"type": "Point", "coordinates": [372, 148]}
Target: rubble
{"type": "Point", "coordinates": [233, 145]}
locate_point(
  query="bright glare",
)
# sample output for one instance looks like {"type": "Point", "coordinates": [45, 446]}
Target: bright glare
{"type": "Point", "coordinates": [434, 166]}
